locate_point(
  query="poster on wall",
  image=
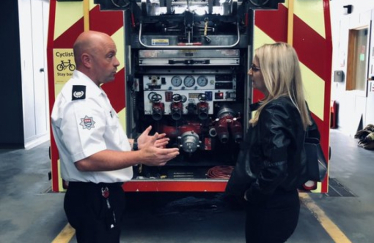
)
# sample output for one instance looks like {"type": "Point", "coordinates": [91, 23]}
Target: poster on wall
{"type": "Point", "coordinates": [64, 65]}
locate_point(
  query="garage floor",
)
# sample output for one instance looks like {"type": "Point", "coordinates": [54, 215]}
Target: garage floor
{"type": "Point", "coordinates": [29, 212]}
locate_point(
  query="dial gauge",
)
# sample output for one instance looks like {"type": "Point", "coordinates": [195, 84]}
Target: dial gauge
{"type": "Point", "coordinates": [176, 81]}
{"type": "Point", "coordinates": [189, 81]}
{"type": "Point", "coordinates": [202, 81]}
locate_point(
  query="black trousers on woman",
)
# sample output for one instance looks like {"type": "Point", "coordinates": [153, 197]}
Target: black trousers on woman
{"type": "Point", "coordinates": [274, 220]}
{"type": "Point", "coordinates": [95, 211]}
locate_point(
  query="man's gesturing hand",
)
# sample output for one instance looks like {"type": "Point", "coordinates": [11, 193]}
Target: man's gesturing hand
{"type": "Point", "coordinates": [152, 149]}
{"type": "Point", "coordinates": [160, 142]}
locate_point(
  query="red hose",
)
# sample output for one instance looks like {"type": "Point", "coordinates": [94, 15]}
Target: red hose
{"type": "Point", "coordinates": [220, 172]}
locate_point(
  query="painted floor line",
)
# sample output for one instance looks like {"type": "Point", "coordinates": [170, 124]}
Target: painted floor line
{"type": "Point", "coordinates": [331, 228]}
{"type": "Point", "coordinates": [65, 235]}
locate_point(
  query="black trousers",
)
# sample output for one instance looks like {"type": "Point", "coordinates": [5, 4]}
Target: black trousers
{"type": "Point", "coordinates": [90, 215]}
{"type": "Point", "coordinates": [273, 221]}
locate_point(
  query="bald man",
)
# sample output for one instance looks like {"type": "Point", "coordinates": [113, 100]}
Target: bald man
{"type": "Point", "coordinates": [95, 154]}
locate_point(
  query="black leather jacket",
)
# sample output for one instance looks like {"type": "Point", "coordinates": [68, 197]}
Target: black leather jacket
{"type": "Point", "coordinates": [275, 150]}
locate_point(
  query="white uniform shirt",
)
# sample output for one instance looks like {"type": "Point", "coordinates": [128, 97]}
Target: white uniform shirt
{"type": "Point", "coordinates": [84, 123]}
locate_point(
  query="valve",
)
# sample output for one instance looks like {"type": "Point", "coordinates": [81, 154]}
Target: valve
{"type": "Point", "coordinates": [158, 108]}
{"type": "Point", "coordinates": [176, 107]}
{"type": "Point", "coordinates": [225, 119]}
{"type": "Point", "coordinates": [202, 107]}
{"type": "Point", "coordinates": [189, 141]}
{"type": "Point", "coordinates": [236, 130]}
{"type": "Point", "coordinates": [225, 116]}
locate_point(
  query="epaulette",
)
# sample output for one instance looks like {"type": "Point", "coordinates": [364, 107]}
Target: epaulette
{"type": "Point", "coordinates": [79, 92]}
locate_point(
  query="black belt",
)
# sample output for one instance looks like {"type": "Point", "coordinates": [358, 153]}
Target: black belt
{"type": "Point", "coordinates": [80, 184]}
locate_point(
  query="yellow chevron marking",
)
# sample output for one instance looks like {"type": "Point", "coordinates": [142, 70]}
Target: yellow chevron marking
{"type": "Point", "coordinates": [311, 12]}
{"type": "Point", "coordinates": [67, 13]}
{"type": "Point", "coordinates": [122, 118]}
{"type": "Point", "coordinates": [60, 183]}
{"type": "Point", "coordinates": [314, 91]}
{"type": "Point", "coordinates": [314, 86]}
{"type": "Point", "coordinates": [260, 38]}
{"type": "Point", "coordinates": [92, 4]}
{"type": "Point", "coordinates": [331, 228]}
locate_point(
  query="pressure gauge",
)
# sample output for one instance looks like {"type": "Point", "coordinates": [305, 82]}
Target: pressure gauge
{"type": "Point", "coordinates": [202, 81]}
{"type": "Point", "coordinates": [176, 81]}
{"type": "Point", "coordinates": [189, 81]}
{"type": "Point", "coordinates": [184, 98]}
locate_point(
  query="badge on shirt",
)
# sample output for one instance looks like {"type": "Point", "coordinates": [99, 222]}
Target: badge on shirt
{"type": "Point", "coordinates": [87, 123]}
{"type": "Point", "coordinates": [79, 92]}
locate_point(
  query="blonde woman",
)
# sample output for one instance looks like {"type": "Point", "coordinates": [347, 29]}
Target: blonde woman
{"type": "Point", "coordinates": [275, 145]}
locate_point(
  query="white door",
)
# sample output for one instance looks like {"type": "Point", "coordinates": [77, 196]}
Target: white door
{"type": "Point", "coordinates": [34, 82]}
{"type": "Point", "coordinates": [40, 87]}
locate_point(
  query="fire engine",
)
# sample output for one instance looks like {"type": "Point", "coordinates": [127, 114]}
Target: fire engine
{"type": "Point", "coordinates": [183, 71]}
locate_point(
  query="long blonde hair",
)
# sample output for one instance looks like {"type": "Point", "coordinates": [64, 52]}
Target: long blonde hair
{"type": "Point", "coordinates": [282, 77]}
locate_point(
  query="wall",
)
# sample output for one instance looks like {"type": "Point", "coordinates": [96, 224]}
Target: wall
{"type": "Point", "coordinates": [352, 105]}
{"type": "Point", "coordinates": [23, 93]}
{"type": "Point", "coordinates": [11, 122]}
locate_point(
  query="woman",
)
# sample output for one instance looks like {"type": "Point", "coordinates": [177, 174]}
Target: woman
{"type": "Point", "coordinates": [277, 133]}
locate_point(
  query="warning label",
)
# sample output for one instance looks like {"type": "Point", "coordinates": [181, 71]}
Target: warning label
{"type": "Point", "coordinates": [160, 42]}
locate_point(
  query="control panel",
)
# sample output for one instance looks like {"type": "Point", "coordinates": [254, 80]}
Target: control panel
{"type": "Point", "coordinates": [189, 90]}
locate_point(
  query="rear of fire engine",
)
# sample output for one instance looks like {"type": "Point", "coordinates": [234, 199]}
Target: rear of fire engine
{"type": "Point", "coordinates": [183, 71]}
{"type": "Point", "coordinates": [186, 74]}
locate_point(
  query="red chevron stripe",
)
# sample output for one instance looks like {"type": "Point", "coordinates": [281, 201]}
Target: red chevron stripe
{"type": "Point", "coordinates": [105, 21]}
{"type": "Point", "coordinates": [116, 91]}
{"type": "Point", "coordinates": [313, 50]}
{"type": "Point", "coordinates": [109, 22]}
{"type": "Point", "coordinates": [273, 23]}
{"type": "Point", "coordinates": [51, 31]}
{"type": "Point", "coordinates": [67, 39]}
{"type": "Point", "coordinates": [328, 61]}
{"type": "Point", "coordinates": [310, 46]}
{"type": "Point", "coordinates": [51, 92]}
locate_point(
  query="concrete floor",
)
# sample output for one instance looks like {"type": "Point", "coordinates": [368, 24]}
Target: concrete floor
{"type": "Point", "coordinates": [29, 213]}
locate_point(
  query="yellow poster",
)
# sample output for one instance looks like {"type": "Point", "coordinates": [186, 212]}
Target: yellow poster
{"type": "Point", "coordinates": [64, 65]}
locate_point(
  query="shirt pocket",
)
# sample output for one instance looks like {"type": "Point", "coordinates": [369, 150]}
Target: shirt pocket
{"type": "Point", "coordinates": [114, 128]}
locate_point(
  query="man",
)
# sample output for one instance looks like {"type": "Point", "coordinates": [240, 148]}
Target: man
{"type": "Point", "coordinates": [96, 155]}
